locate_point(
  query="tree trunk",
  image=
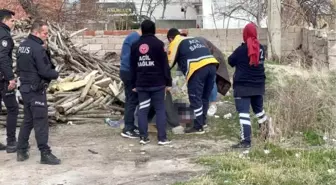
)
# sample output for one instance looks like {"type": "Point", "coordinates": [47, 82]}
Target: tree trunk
{"type": "Point", "coordinates": [142, 3]}
{"type": "Point", "coordinates": [164, 8]}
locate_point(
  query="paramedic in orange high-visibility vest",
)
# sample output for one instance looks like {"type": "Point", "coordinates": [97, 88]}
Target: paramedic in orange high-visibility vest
{"type": "Point", "coordinates": [199, 66]}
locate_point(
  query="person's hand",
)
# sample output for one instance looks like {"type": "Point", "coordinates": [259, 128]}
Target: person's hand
{"type": "Point", "coordinates": [168, 88]}
{"type": "Point", "coordinates": [134, 90]}
{"type": "Point", "coordinates": [12, 85]}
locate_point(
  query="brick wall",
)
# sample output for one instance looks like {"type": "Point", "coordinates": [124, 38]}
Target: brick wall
{"type": "Point", "coordinates": [226, 39]}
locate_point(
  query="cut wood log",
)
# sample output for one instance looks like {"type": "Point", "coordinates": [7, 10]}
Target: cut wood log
{"type": "Point", "coordinates": [66, 106]}
{"type": "Point", "coordinates": [77, 32]}
{"type": "Point", "coordinates": [104, 82]}
{"type": "Point", "coordinates": [79, 107]}
{"type": "Point", "coordinates": [87, 88]}
{"type": "Point", "coordinates": [86, 84]}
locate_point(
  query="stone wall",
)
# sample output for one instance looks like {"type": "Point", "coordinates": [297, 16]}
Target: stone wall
{"type": "Point", "coordinates": [294, 39]}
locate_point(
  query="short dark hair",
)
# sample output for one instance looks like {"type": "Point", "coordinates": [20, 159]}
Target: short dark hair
{"type": "Point", "coordinates": [6, 14]}
{"type": "Point", "coordinates": [36, 26]}
{"type": "Point", "coordinates": [148, 27]}
{"type": "Point", "coordinates": [172, 33]}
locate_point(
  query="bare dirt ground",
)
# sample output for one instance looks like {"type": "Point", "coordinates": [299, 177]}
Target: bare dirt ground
{"type": "Point", "coordinates": [119, 161]}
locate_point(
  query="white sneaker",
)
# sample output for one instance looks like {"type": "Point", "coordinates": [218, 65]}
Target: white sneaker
{"type": "Point", "coordinates": [164, 142]}
{"type": "Point", "coordinates": [212, 110]}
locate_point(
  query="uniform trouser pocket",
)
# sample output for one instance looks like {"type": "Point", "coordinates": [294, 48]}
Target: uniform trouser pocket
{"type": "Point", "coordinates": [39, 109]}
{"type": "Point", "coordinates": [11, 104]}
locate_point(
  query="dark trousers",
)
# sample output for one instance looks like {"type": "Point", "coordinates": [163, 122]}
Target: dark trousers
{"type": "Point", "coordinates": [200, 86]}
{"type": "Point", "coordinates": [12, 107]}
{"type": "Point", "coordinates": [131, 101]}
{"type": "Point", "coordinates": [154, 97]}
{"type": "Point", "coordinates": [243, 108]}
{"type": "Point", "coordinates": [35, 116]}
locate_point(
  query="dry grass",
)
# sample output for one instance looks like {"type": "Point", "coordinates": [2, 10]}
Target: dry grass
{"type": "Point", "coordinates": [301, 100]}
{"type": "Point", "coordinates": [278, 167]}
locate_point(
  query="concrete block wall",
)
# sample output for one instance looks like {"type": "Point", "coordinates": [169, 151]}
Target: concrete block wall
{"type": "Point", "coordinates": [291, 38]}
{"type": "Point", "coordinates": [332, 50]}
{"type": "Point", "coordinates": [227, 40]}
{"type": "Point", "coordinates": [316, 46]}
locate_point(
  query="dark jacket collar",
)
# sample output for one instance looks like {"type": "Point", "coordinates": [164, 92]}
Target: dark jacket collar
{"type": "Point", "coordinates": [36, 39]}
{"type": "Point", "coordinates": [2, 25]}
{"type": "Point", "coordinates": [148, 35]}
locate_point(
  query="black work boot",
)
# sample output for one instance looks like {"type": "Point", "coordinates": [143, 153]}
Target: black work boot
{"type": "Point", "coordinates": [48, 158]}
{"type": "Point", "coordinates": [11, 147]}
{"type": "Point", "coordinates": [242, 144]}
{"type": "Point", "coordinates": [2, 146]}
{"type": "Point", "coordinates": [22, 155]}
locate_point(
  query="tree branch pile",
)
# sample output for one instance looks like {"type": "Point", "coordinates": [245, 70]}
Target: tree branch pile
{"type": "Point", "coordinates": [88, 89]}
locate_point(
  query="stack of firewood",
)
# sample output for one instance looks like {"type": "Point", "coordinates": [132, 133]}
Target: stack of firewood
{"type": "Point", "coordinates": [88, 89]}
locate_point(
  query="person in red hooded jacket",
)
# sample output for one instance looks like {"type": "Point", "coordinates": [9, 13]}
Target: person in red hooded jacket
{"type": "Point", "coordinates": [249, 84]}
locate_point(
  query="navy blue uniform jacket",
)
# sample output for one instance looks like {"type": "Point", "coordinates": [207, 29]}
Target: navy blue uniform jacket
{"type": "Point", "coordinates": [149, 63]}
{"type": "Point", "coordinates": [33, 63]}
{"type": "Point", "coordinates": [247, 80]}
{"type": "Point", "coordinates": [6, 48]}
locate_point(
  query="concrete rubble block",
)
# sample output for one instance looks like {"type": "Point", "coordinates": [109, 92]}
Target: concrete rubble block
{"type": "Point", "coordinates": [222, 32]}
{"type": "Point", "coordinates": [263, 41]}
{"type": "Point", "coordinates": [321, 42]}
{"type": "Point", "coordinates": [77, 40]}
{"type": "Point", "coordinates": [95, 47]}
{"type": "Point", "coordinates": [118, 46]}
{"type": "Point", "coordinates": [90, 40]}
{"type": "Point", "coordinates": [99, 32]}
{"type": "Point", "coordinates": [332, 48]}
{"type": "Point", "coordinates": [86, 48]}
{"type": "Point", "coordinates": [290, 29]}
{"type": "Point", "coordinates": [287, 45]}
{"type": "Point", "coordinates": [102, 40]}
{"type": "Point", "coordinates": [332, 63]}
{"type": "Point", "coordinates": [115, 39]}
{"type": "Point", "coordinates": [262, 31]}
{"type": "Point", "coordinates": [100, 53]}
{"type": "Point", "coordinates": [332, 36]}
{"type": "Point", "coordinates": [194, 32]}
{"type": "Point", "coordinates": [217, 43]}
{"type": "Point", "coordinates": [108, 46]}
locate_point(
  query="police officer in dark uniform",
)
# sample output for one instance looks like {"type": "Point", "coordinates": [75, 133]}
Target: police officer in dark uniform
{"type": "Point", "coordinates": [7, 78]}
{"type": "Point", "coordinates": [35, 71]}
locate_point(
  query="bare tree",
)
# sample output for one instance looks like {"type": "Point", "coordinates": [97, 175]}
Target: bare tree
{"type": "Point", "coordinates": [148, 7]}
{"type": "Point", "coordinates": [164, 7]}
{"type": "Point", "coordinates": [251, 10]}
{"type": "Point", "coordinates": [310, 12]}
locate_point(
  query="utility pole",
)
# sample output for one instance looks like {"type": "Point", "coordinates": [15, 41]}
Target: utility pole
{"type": "Point", "coordinates": [334, 3]}
{"type": "Point", "coordinates": [274, 29]}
